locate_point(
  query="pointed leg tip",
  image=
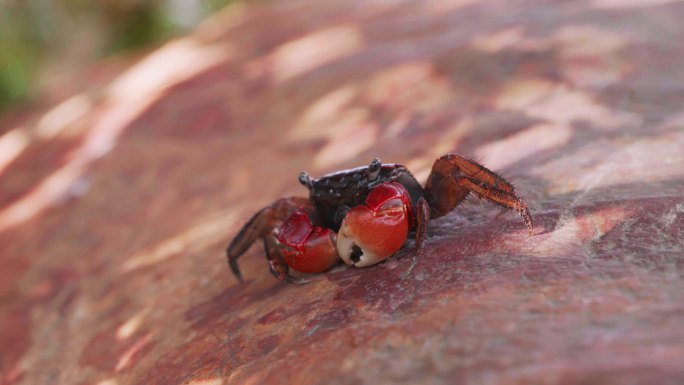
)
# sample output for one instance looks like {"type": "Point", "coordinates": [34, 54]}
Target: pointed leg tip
{"type": "Point", "coordinates": [296, 280]}
{"type": "Point", "coordinates": [235, 269]}
{"type": "Point", "coordinates": [238, 276]}
{"type": "Point", "coordinates": [533, 230]}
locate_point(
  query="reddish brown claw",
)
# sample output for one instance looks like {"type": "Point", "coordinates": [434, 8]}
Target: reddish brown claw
{"type": "Point", "coordinates": [372, 232]}
{"type": "Point", "coordinates": [307, 248]}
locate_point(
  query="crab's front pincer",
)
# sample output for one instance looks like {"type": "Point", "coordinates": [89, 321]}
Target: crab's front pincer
{"type": "Point", "coordinates": [307, 248]}
{"type": "Point", "coordinates": [372, 232]}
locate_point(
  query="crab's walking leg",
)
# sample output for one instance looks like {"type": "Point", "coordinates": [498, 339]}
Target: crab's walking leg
{"type": "Point", "coordinates": [422, 218]}
{"type": "Point", "coordinates": [453, 177]}
{"type": "Point", "coordinates": [422, 213]}
{"type": "Point", "coordinates": [263, 225]}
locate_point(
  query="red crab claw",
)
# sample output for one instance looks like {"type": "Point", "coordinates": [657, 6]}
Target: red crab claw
{"type": "Point", "coordinates": [372, 232]}
{"type": "Point", "coordinates": [307, 248]}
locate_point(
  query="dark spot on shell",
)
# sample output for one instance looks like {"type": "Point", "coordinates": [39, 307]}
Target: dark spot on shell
{"type": "Point", "coordinates": [356, 254]}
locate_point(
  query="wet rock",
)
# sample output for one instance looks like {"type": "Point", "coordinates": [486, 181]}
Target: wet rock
{"type": "Point", "coordinates": [113, 227]}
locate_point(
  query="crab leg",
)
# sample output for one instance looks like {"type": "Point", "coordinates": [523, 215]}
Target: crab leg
{"type": "Point", "coordinates": [453, 177]}
{"type": "Point", "coordinates": [422, 214]}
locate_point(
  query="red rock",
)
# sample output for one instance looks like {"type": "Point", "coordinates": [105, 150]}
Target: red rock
{"type": "Point", "coordinates": [113, 229]}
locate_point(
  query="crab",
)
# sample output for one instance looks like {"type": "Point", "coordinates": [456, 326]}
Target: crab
{"type": "Point", "coordinates": [364, 215]}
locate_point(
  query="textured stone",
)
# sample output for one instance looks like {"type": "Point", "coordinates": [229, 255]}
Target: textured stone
{"type": "Point", "coordinates": [116, 207]}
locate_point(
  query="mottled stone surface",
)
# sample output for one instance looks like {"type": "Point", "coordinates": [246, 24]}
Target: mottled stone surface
{"type": "Point", "coordinates": [116, 205]}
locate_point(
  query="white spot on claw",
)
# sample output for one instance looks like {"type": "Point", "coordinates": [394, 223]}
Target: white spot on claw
{"type": "Point", "coordinates": [346, 245]}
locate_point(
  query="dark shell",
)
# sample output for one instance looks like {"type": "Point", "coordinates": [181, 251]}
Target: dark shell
{"type": "Point", "coordinates": [334, 194]}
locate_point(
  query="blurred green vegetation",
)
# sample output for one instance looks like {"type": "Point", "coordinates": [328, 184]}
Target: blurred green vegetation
{"type": "Point", "coordinates": [37, 33]}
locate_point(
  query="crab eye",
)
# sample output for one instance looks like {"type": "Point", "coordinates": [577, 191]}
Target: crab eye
{"type": "Point", "coordinates": [372, 232]}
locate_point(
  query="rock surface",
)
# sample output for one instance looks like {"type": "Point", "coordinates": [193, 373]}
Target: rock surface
{"type": "Point", "coordinates": [116, 203]}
